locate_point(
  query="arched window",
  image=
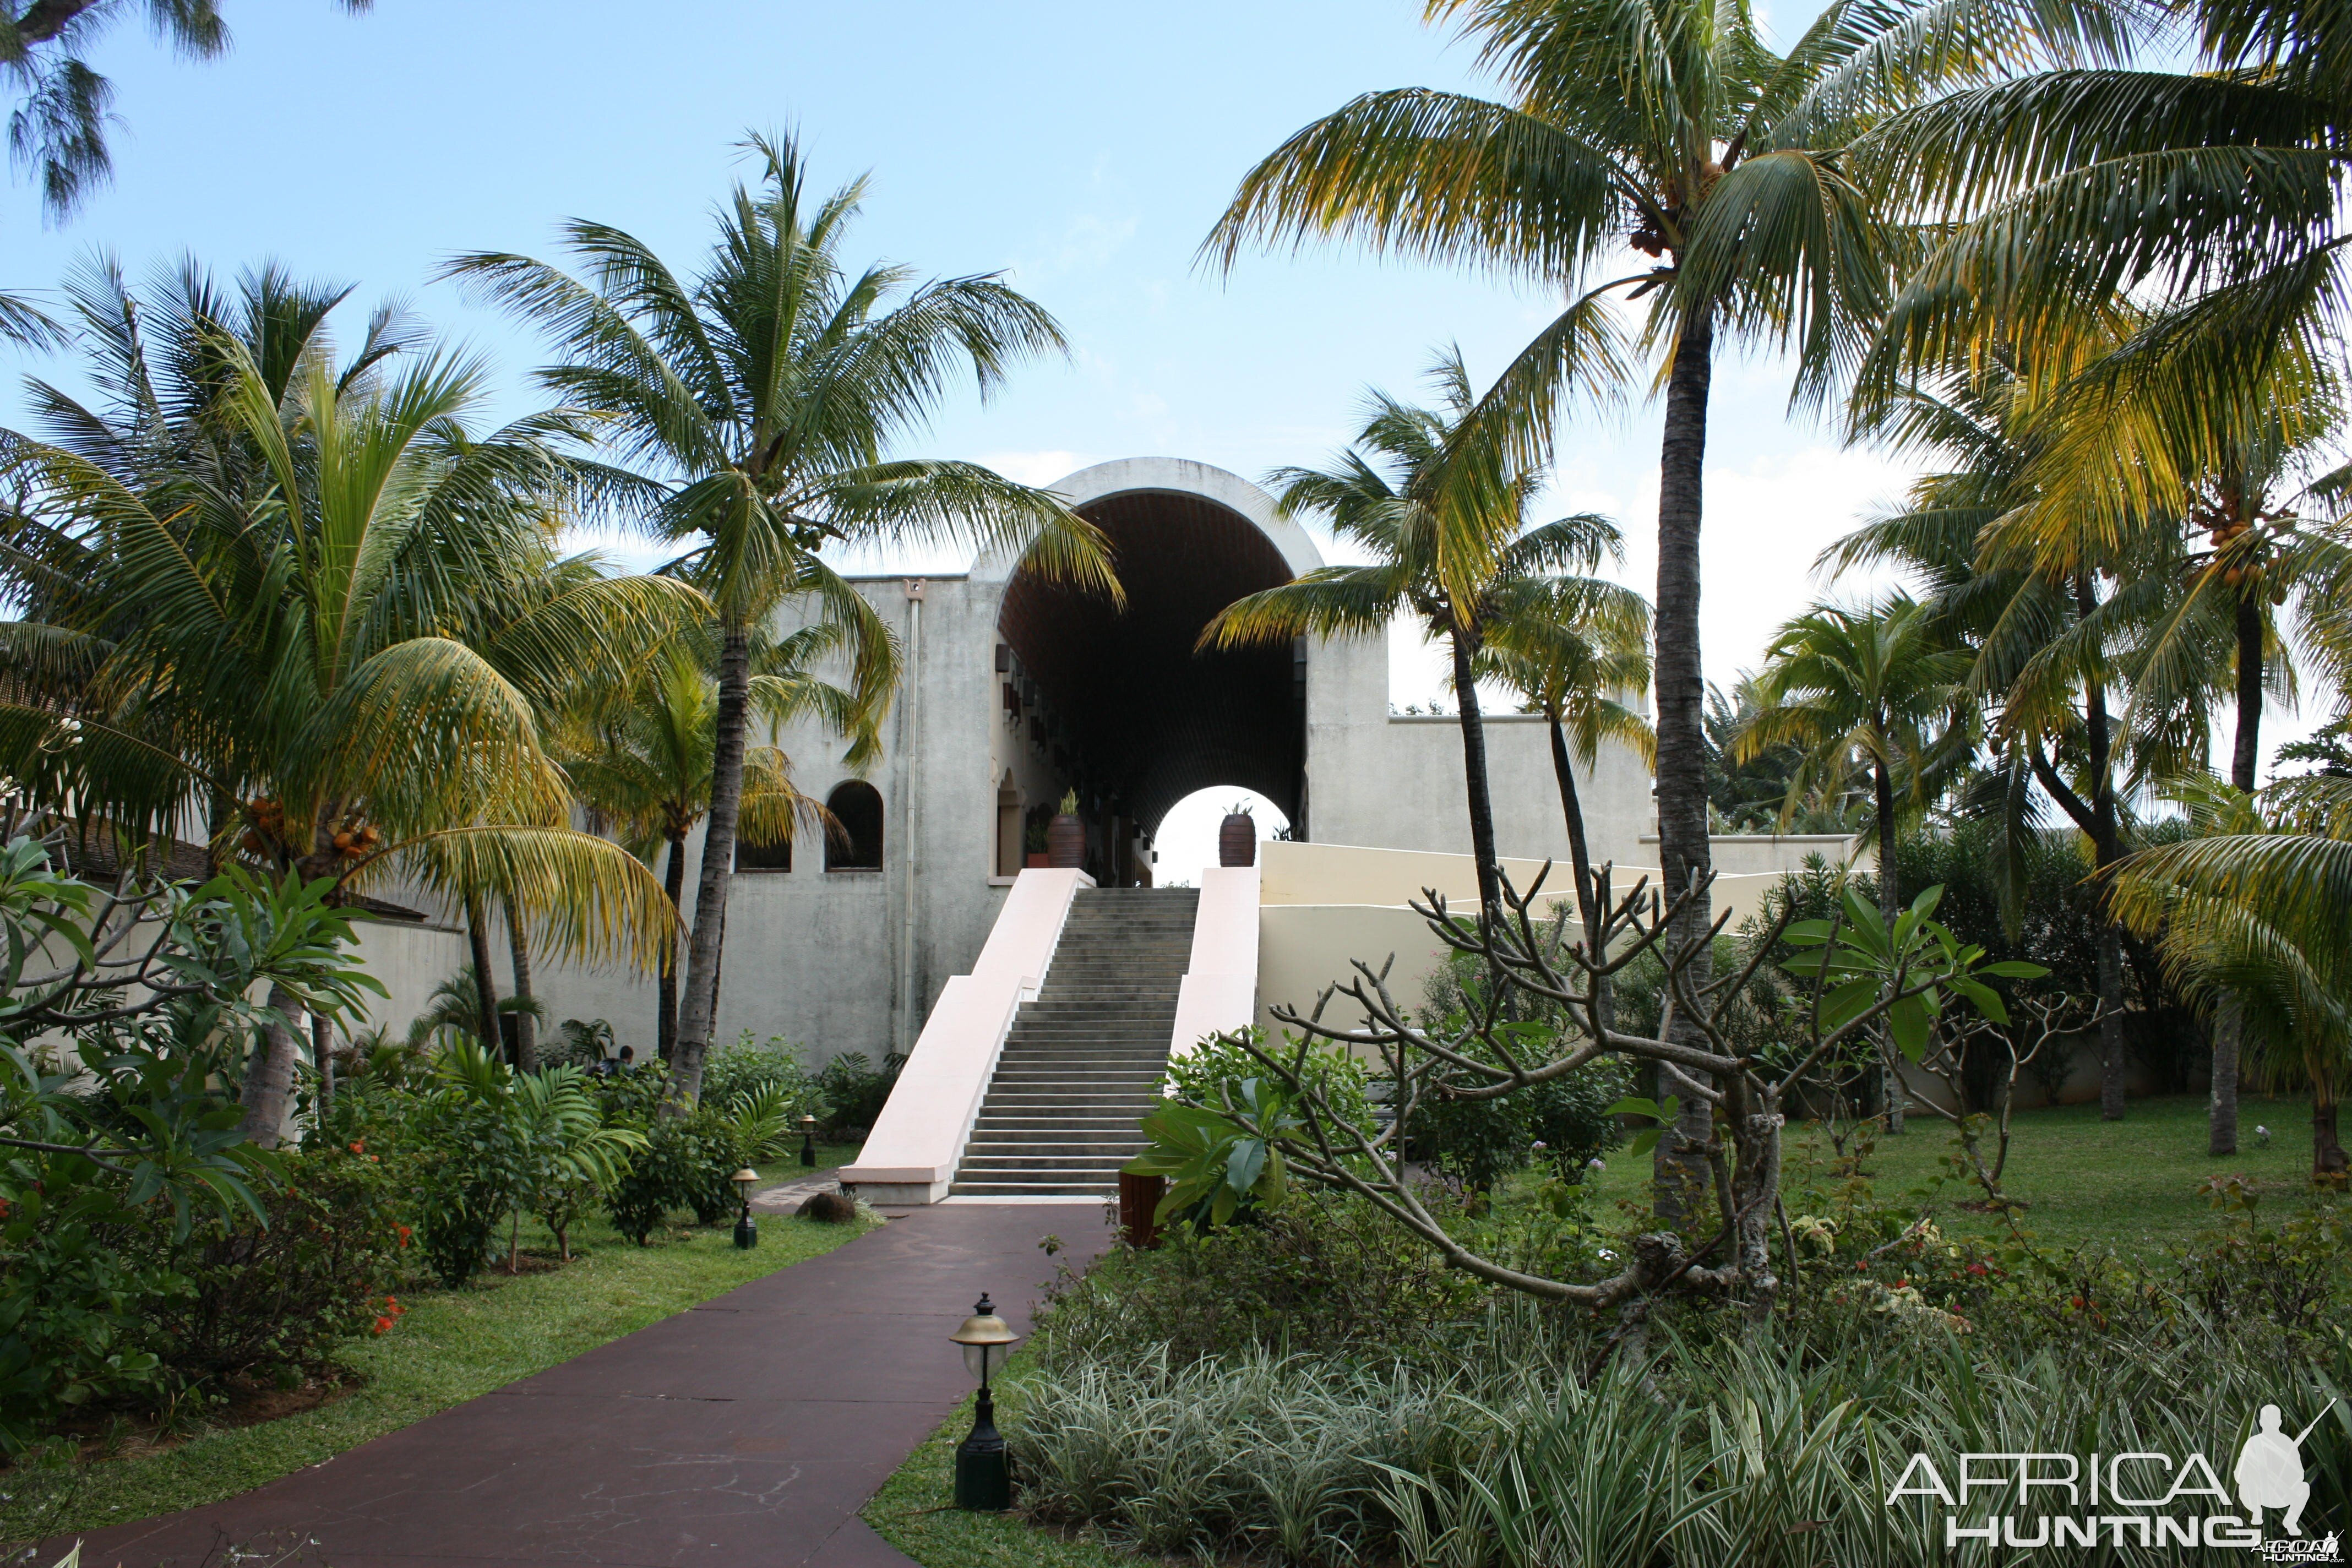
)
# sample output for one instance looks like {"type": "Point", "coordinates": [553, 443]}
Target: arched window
{"type": "Point", "coordinates": [857, 807]}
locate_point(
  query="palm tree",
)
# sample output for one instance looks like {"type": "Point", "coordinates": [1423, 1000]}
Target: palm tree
{"type": "Point", "coordinates": [2260, 912]}
{"type": "Point", "coordinates": [1443, 508]}
{"type": "Point", "coordinates": [2054, 639]}
{"type": "Point", "coordinates": [759, 399]}
{"type": "Point", "coordinates": [2210, 187]}
{"type": "Point", "coordinates": [641, 760]}
{"type": "Point", "coordinates": [1569, 647]}
{"type": "Point", "coordinates": [1878, 684]}
{"type": "Point", "coordinates": [1669, 127]}
{"type": "Point", "coordinates": [321, 662]}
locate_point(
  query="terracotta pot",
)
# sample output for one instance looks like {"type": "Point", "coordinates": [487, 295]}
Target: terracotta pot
{"type": "Point", "coordinates": [1040, 860]}
{"type": "Point", "coordinates": [1237, 840]}
{"type": "Point", "coordinates": [1139, 1201]}
{"type": "Point", "coordinates": [1066, 842]}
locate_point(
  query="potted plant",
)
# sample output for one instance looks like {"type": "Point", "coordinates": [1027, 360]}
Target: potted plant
{"type": "Point", "coordinates": [1033, 836]}
{"type": "Point", "coordinates": [1237, 838]}
{"type": "Point", "coordinates": [1065, 835]}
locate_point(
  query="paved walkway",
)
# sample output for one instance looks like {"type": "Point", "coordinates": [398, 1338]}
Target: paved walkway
{"type": "Point", "coordinates": [746, 1433]}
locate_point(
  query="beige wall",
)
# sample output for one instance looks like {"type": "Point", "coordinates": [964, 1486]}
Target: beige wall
{"type": "Point", "coordinates": [1324, 905]}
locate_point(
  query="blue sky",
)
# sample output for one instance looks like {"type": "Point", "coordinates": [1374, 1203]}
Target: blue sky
{"type": "Point", "coordinates": [1086, 149]}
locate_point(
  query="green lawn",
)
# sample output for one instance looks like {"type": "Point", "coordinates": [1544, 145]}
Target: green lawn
{"type": "Point", "coordinates": [2131, 1185]}
{"type": "Point", "coordinates": [451, 1347]}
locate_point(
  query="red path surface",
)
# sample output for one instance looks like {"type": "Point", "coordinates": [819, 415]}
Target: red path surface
{"type": "Point", "coordinates": [746, 1433]}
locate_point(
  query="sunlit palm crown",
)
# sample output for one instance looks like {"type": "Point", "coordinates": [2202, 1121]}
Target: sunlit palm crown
{"type": "Point", "coordinates": [1443, 507]}
{"type": "Point", "coordinates": [753, 406]}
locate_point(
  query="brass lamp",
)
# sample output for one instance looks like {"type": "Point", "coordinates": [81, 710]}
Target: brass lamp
{"type": "Point", "coordinates": [747, 1234]}
{"type": "Point", "coordinates": [808, 1139]}
{"type": "Point", "coordinates": [983, 1475]}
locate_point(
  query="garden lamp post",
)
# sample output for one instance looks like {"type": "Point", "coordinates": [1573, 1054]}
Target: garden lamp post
{"type": "Point", "coordinates": [808, 1139]}
{"type": "Point", "coordinates": [747, 1234]}
{"type": "Point", "coordinates": [983, 1476]}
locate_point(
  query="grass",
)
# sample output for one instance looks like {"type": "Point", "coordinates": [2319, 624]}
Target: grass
{"type": "Point", "coordinates": [914, 1511]}
{"type": "Point", "coordinates": [2130, 1185]}
{"type": "Point", "coordinates": [451, 1347]}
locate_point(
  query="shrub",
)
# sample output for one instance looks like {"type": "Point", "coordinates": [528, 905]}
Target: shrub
{"type": "Point", "coordinates": [854, 1090]}
{"type": "Point", "coordinates": [1317, 1270]}
{"type": "Point", "coordinates": [745, 1068]}
{"type": "Point", "coordinates": [685, 1164]}
{"type": "Point", "coordinates": [1333, 1068]}
{"type": "Point", "coordinates": [73, 1331]}
{"type": "Point", "coordinates": [257, 1298]}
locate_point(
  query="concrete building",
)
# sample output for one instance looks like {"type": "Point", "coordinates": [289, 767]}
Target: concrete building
{"type": "Point", "coordinates": [1018, 690]}
{"type": "Point", "coordinates": [933, 927]}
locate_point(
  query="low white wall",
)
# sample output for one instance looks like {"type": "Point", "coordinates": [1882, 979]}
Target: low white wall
{"type": "Point", "coordinates": [1220, 986]}
{"type": "Point", "coordinates": [409, 960]}
{"type": "Point", "coordinates": [910, 1157]}
{"type": "Point", "coordinates": [1324, 905]}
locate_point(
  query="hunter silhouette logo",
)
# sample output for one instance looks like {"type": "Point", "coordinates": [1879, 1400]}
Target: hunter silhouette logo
{"type": "Point", "coordinates": [2141, 1499]}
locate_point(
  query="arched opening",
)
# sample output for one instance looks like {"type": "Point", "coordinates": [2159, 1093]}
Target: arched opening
{"type": "Point", "coordinates": [857, 807]}
{"type": "Point", "coordinates": [1118, 707]}
{"type": "Point", "coordinates": [1187, 837]}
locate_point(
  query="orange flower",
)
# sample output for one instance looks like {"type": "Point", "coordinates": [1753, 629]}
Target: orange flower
{"type": "Point", "coordinates": [384, 1325]}
{"type": "Point", "coordinates": [360, 1147]}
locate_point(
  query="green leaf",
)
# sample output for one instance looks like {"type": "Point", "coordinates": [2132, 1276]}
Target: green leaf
{"type": "Point", "coordinates": [1907, 1021]}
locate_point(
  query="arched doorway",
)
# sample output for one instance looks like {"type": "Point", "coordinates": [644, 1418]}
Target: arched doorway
{"type": "Point", "coordinates": [1117, 704]}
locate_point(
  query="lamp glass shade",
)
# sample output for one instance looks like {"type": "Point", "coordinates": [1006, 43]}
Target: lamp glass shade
{"type": "Point", "coordinates": [985, 1361]}
{"type": "Point", "coordinates": [745, 1180]}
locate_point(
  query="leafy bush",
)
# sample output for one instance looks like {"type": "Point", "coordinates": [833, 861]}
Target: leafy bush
{"type": "Point", "coordinates": [686, 1164]}
{"type": "Point", "coordinates": [854, 1091]}
{"type": "Point", "coordinates": [73, 1330]}
{"type": "Point", "coordinates": [1221, 1060]}
{"type": "Point", "coordinates": [745, 1068]}
{"type": "Point", "coordinates": [1319, 1271]}
{"type": "Point", "coordinates": [281, 1291]}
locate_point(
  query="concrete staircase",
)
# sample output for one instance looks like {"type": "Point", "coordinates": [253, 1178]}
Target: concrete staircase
{"type": "Point", "coordinates": [1084, 1061]}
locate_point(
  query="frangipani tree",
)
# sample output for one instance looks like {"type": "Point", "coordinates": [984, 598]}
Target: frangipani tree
{"type": "Point", "coordinates": [752, 407]}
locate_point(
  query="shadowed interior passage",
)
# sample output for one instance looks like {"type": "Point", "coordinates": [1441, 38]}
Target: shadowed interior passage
{"type": "Point", "coordinates": [1149, 721]}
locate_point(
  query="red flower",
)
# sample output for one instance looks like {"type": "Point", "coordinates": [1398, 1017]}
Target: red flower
{"type": "Point", "coordinates": [1979, 1269]}
{"type": "Point", "coordinates": [405, 1234]}
{"type": "Point", "coordinates": [1903, 1284]}
{"type": "Point", "coordinates": [384, 1325]}
{"type": "Point", "coordinates": [360, 1147]}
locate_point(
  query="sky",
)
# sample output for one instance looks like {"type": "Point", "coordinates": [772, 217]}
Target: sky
{"type": "Point", "coordinates": [1085, 150]}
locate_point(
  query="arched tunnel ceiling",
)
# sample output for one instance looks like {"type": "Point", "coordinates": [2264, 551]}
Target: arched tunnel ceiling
{"type": "Point", "coordinates": [1149, 721]}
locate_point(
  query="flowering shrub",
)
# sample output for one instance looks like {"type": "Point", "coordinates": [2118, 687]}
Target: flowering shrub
{"type": "Point", "coordinates": [278, 1293]}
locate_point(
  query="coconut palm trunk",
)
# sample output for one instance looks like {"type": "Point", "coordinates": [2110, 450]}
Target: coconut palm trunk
{"type": "Point", "coordinates": [1882, 784]}
{"type": "Point", "coordinates": [1474, 771]}
{"type": "Point", "coordinates": [665, 1022]}
{"type": "Point", "coordinates": [701, 1000]}
{"type": "Point", "coordinates": [269, 1076]}
{"type": "Point", "coordinates": [2245, 756]}
{"type": "Point", "coordinates": [1571, 811]}
{"type": "Point", "coordinates": [486, 983]}
{"type": "Point", "coordinates": [1679, 1166]}
{"type": "Point", "coordinates": [526, 1019]}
